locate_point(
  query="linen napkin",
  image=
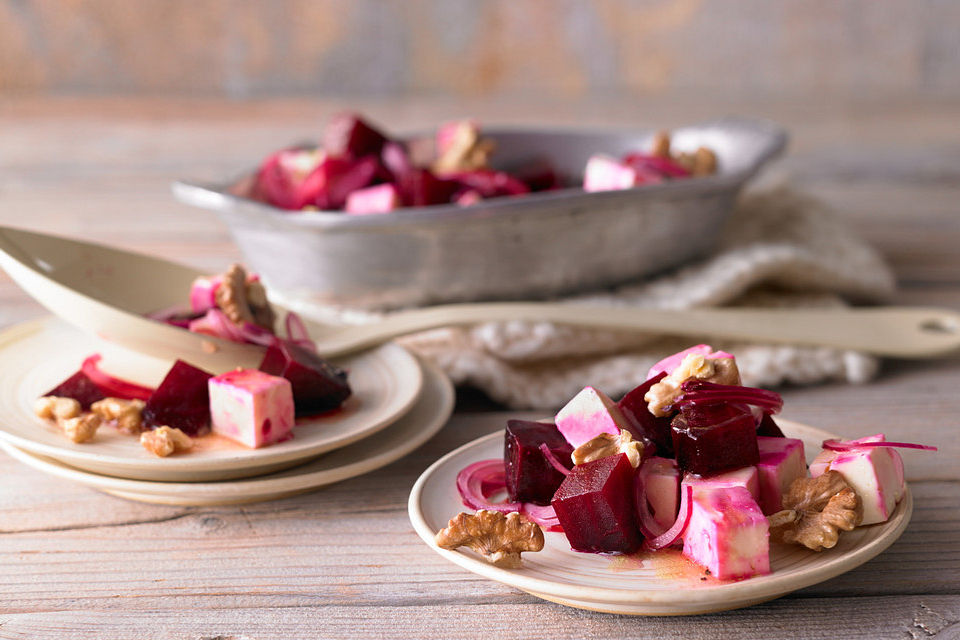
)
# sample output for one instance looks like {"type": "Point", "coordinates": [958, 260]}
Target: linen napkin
{"type": "Point", "coordinates": [779, 248]}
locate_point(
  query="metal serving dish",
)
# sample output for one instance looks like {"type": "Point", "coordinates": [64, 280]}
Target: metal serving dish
{"type": "Point", "coordinates": [525, 247]}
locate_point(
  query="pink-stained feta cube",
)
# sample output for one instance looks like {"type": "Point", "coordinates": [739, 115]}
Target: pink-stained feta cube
{"type": "Point", "coordinates": [377, 199]}
{"type": "Point", "coordinates": [875, 473]}
{"type": "Point", "coordinates": [203, 293]}
{"type": "Point", "coordinates": [660, 480]}
{"type": "Point", "coordinates": [589, 414]}
{"type": "Point", "coordinates": [781, 462]}
{"type": "Point", "coordinates": [745, 477]}
{"type": "Point", "coordinates": [251, 407]}
{"type": "Point", "coordinates": [728, 534]}
{"type": "Point", "coordinates": [604, 173]}
{"type": "Point", "coordinates": [671, 362]}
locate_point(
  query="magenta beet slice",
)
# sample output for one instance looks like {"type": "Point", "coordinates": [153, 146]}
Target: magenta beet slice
{"type": "Point", "coordinates": [530, 478]}
{"type": "Point", "coordinates": [347, 134]}
{"type": "Point", "coordinates": [644, 425]}
{"type": "Point", "coordinates": [79, 387]}
{"type": "Point", "coordinates": [182, 401]}
{"type": "Point", "coordinates": [769, 428]}
{"type": "Point", "coordinates": [595, 506]}
{"type": "Point", "coordinates": [317, 385]}
{"type": "Point", "coordinates": [716, 437]}
{"type": "Point", "coordinates": [336, 178]}
{"type": "Point", "coordinates": [421, 188]}
{"type": "Point", "coordinates": [489, 183]}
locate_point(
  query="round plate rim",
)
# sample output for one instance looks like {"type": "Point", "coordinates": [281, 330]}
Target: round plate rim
{"type": "Point", "coordinates": [769, 588]}
{"type": "Point", "coordinates": [440, 393]}
{"type": "Point", "coordinates": [252, 460]}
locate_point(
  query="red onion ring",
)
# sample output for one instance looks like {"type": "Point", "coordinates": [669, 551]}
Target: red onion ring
{"type": "Point", "coordinates": [673, 534]}
{"type": "Point", "coordinates": [552, 459]}
{"type": "Point", "coordinates": [111, 386]}
{"type": "Point", "coordinates": [546, 517]}
{"type": "Point", "coordinates": [839, 445]}
{"type": "Point", "coordinates": [473, 478]}
{"type": "Point", "coordinates": [647, 523]}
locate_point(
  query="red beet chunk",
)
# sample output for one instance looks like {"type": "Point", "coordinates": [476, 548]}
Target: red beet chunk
{"type": "Point", "coordinates": [347, 134]}
{"type": "Point", "coordinates": [530, 477]}
{"type": "Point", "coordinates": [182, 401]}
{"type": "Point", "coordinates": [317, 385]}
{"type": "Point", "coordinates": [421, 188]}
{"type": "Point", "coordinates": [80, 388]}
{"type": "Point", "coordinates": [645, 425]}
{"type": "Point", "coordinates": [713, 438]}
{"type": "Point", "coordinates": [489, 183]}
{"type": "Point", "coordinates": [595, 506]}
{"type": "Point", "coordinates": [538, 175]}
{"type": "Point", "coordinates": [336, 178]}
{"type": "Point", "coordinates": [769, 428]}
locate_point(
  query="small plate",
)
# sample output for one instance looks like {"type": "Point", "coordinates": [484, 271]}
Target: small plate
{"type": "Point", "coordinates": [36, 356]}
{"type": "Point", "coordinates": [660, 583]}
{"type": "Point", "coordinates": [422, 422]}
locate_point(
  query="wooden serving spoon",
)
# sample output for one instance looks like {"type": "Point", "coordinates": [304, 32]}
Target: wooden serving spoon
{"type": "Point", "coordinates": [108, 292]}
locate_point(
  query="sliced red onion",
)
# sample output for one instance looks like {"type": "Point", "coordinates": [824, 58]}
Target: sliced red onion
{"type": "Point", "coordinates": [297, 332]}
{"type": "Point", "coordinates": [839, 445]}
{"type": "Point", "coordinates": [673, 534]}
{"type": "Point", "coordinates": [546, 517]}
{"type": "Point", "coordinates": [472, 479]}
{"type": "Point", "coordinates": [647, 523]}
{"type": "Point", "coordinates": [552, 459]}
{"type": "Point", "coordinates": [700, 391]}
{"type": "Point", "coordinates": [111, 386]}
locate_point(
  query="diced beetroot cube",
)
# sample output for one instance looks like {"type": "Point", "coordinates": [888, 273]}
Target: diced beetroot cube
{"type": "Point", "coordinates": [769, 428]}
{"type": "Point", "coordinates": [643, 425]}
{"type": "Point", "coordinates": [489, 183]}
{"type": "Point", "coordinates": [317, 385]}
{"type": "Point", "coordinates": [538, 175]}
{"type": "Point", "coordinates": [182, 401]}
{"type": "Point", "coordinates": [595, 506]}
{"type": "Point", "coordinates": [347, 134]}
{"type": "Point", "coordinates": [421, 188]}
{"type": "Point", "coordinates": [530, 477]}
{"type": "Point", "coordinates": [396, 160]}
{"type": "Point", "coordinates": [712, 438]}
{"type": "Point", "coordinates": [377, 199]}
{"type": "Point", "coordinates": [284, 178]}
{"type": "Point", "coordinates": [80, 388]}
{"type": "Point", "coordinates": [336, 178]}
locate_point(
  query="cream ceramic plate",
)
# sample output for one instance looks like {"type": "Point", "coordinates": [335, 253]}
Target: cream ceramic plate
{"type": "Point", "coordinates": [662, 583]}
{"type": "Point", "coordinates": [425, 419]}
{"type": "Point", "coordinates": [36, 356]}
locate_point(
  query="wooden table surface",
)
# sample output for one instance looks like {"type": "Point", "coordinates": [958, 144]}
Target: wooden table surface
{"type": "Point", "coordinates": [344, 561]}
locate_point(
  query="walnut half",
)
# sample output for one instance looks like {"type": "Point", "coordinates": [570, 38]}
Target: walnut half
{"type": "Point", "coordinates": [815, 511]}
{"type": "Point", "coordinates": [127, 413]}
{"type": "Point", "coordinates": [661, 396]}
{"type": "Point", "coordinates": [607, 444]}
{"type": "Point", "coordinates": [498, 537]}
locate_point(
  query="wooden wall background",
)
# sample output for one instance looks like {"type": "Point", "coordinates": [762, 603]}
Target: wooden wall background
{"type": "Point", "coordinates": [462, 48]}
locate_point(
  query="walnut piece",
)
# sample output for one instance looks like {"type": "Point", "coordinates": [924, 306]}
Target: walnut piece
{"type": "Point", "coordinates": [243, 301]}
{"type": "Point", "coordinates": [661, 396]}
{"type": "Point", "coordinates": [815, 511]}
{"type": "Point", "coordinates": [82, 427]}
{"type": "Point", "coordinates": [661, 145]}
{"type": "Point", "coordinates": [466, 151]}
{"type": "Point", "coordinates": [607, 444]}
{"type": "Point", "coordinates": [56, 408]}
{"type": "Point", "coordinates": [498, 537]}
{"type": "Point", "coordinates": [127, 413]}
{"type": "Point", "coordinates": [164, 441]}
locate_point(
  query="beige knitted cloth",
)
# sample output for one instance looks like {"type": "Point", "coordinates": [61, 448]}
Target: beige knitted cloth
{"type": "Point", "coordinates": [779, 248]}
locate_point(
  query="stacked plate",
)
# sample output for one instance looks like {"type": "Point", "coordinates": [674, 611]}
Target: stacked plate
{"type": "Point", "coordinates": [398, 403]}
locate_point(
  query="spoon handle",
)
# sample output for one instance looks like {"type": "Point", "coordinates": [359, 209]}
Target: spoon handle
{"type": "Point", "coordinates": [902, 332]}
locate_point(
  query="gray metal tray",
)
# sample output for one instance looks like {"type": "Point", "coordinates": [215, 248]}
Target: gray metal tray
{"type": "Point", "coordinates": [527, 247]}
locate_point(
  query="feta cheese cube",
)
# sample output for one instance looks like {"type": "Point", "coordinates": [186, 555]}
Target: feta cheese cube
{"type": "Point", "coordinates": [875, 473]}
{"type": "Point", "coordinates": [781, 462]}
{"type": "Point", "coordinates": [746, 477]}
{"type": "Point", "coordinates": [589, 414]}
{"type": "Point", "coordinates": [381, 198]}
{"type": "Point", "coordinates": [251, 407]}
{"type": "Point", "coordinates": [727, 533]}
{"type": "Point", "coordinates": [604, 173]}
